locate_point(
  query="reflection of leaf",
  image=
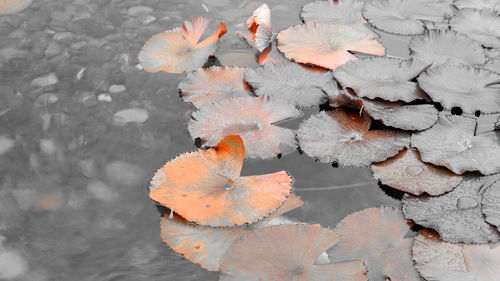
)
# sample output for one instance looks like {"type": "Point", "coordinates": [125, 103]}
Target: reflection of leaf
{"type": "Point", "coordinates": [379, 236]}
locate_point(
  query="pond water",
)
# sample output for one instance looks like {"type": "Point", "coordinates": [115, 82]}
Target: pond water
{"type": "Point", "coordinates": [82, 130]}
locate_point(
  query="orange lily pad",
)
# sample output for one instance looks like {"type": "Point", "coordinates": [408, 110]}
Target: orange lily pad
{"type": "Point", "coordinates": [205, 187]}
{"type": "Point", "coordinates": [326, 45]}
{"type": "Point", "coordinates": [260, 28]}
{"type": "Point", "coordinates": [178, 50]}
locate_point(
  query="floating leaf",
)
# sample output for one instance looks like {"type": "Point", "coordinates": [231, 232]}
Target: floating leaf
{"type": "Point", "coordinates": [382, 77]}
{"type": "Point", "coordinates": [455, 215]}
{"type": "Point", "coordinates": [252, 119]}
{"type": "Point", "coordinates": [438, 260]}
{"type": "Point", "coordinates": [405, 17]}
{"type": "Point", "coordinates": [451, 143]}
{"type": "Point", "coordinates": [414, 117]}
{"type": "Point", "coordinates": [206, 85]}
{"type": "Point", "coordinates": [480, 25]}
{"type": "Point", "coordinates": [292, 83]}
{"type": "Point", "coordinates": [379, 236]}
{"type": "Point", "coordinates": [342, 136]}
{"type": "Point", "coordinates": [408, 173]}
{"type": "Point", "coordinates": [287, 252]}
{"type": "Point", "coordinates": [468, 87]}
{"type": "Point", "coordinates": [439, 47]}
{"type": "Point", "coordinates": [338, 12]}
{"type": "Point", "coordinates": [205, 187]}
{"type": "Point", "coordinates": [178, 50]}
{"type": "Point", "coordinates": [207, 245]}
{"type": "Point", "coordinates": [326, 45]}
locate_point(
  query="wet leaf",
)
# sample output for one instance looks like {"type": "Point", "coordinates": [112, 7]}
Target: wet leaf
{"type": "Point", "coordinates": [249, 117]}
{"type": "Point", "coordinates": [455, 215]}
{"type": "Point", "coordinates": [343, 136]}
{"type": "Point", "coordinates": [408, 173]}
{"type": "Point", "coordinates": [205, 187]}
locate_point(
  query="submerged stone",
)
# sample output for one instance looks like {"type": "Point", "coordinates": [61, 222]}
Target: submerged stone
{"type": "Point", "coordinates": [12, 264]}
{"type": "Point", "coordinates": [6, 144]}
{"type": "Point", "coordinates": [137, 11]}
{"type": "Point", "coordinates": [45, 80]}
{"type": "Point", "coordinates": [130, 115]}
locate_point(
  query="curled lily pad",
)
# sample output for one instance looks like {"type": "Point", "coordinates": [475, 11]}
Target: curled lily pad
{"type": "Point", "coordinates": [491, 204]}
{"type": "Point", "coordinates": [205, 187]}
{"type": "Point", "coordinates": [206, 85]}
{"type": "Point", "coordinates": [292, 83]}
{"type": "Point", "coordinates": [252, 118]}
{"type": "Point", "coordinates": [480, 25]}
{"type": "Point", "coordinates": [405, 17]}
{"type": "Point", "coordinates": [178, 50]}
{"type": "Point", "coordinates": [338, 12]}
{"type": "Point", "coordinates": [287, 252]}
{"type": "Point", "coordinates": [455, 215]}
{"type": "Point", "coordinates": [260, 28]}
{"type": "Point", "coordinates": [326, 45]}
{"type": "Point", "coordinates": [207, 245]}
{"type": "Point", "coordinates": [365, 77]}
{"type": "Point", "coordinates": [380, 237]}
{"type": "Point", "coordinates": [451, 143]}
{"type": "Point", "coordinates": [439, 47]}
{"type": "Point", "coordinates": [407, 172]}
{"type": "Point", "coordinates": [468, 87]}
{"type": "Point", "coordinates": [439, 260]}
{"type": "Point", "coordinates": [342, 136]}
{"type": "Point", "coordinates": [414, 117]}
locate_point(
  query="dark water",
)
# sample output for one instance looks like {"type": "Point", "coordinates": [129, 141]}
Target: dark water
{"type": "Point", "coordinates": [74, 181]}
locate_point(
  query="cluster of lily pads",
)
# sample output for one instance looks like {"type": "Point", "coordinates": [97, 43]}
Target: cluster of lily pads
{"type": "Point", "coordinates": [414, 121]}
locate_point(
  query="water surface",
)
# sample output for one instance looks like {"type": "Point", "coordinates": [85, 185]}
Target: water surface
{"type": "Point", "coordinates": [74, 179]}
